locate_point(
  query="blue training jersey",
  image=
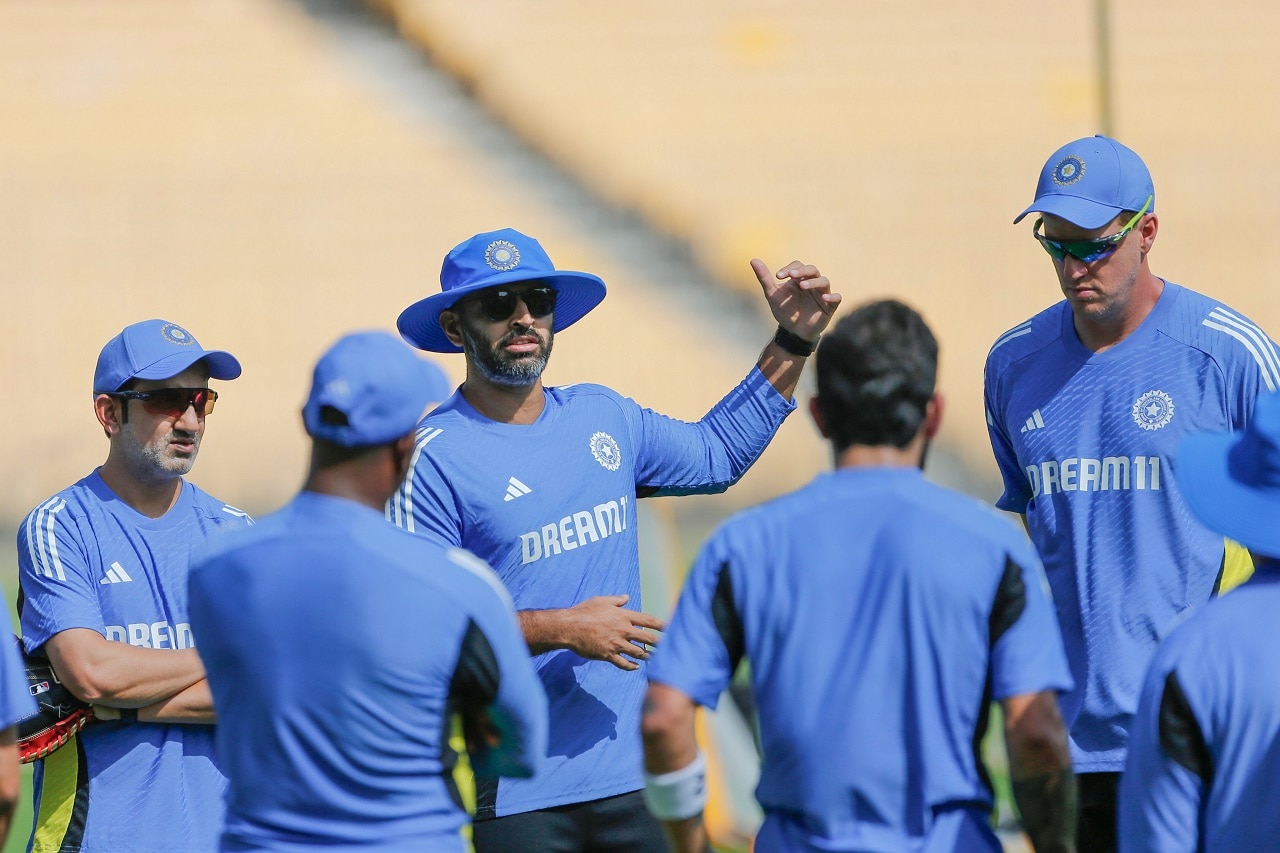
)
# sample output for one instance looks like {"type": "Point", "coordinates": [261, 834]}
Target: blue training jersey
{"type": "Point", "coordinates": [16, 701]}
{"type": "Point", "coordinates": [1203, 772]}
{"type": "Point", "coordinates": [337, 647]}
{"type": "Point", "coordinates": [551, 507]}
{"type": "Point", "coordinates": [1085, 443]}
{"type": "Point", "coordinates": [88, 560]}
{"type": "Point", "coordinates": [881, 614]}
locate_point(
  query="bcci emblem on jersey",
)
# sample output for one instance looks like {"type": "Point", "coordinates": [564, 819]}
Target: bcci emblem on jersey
{"type": "Point", "coordinates": [606, 450]}
{"type": "Point", "coordinates": [1153, 410]}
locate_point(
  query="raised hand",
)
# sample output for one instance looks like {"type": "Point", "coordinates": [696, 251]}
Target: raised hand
{"type": "Point", "coordinates": [799, 296]}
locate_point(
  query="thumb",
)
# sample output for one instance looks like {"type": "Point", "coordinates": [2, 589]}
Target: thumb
{"type": "Point", "coordinates": [616, 600]}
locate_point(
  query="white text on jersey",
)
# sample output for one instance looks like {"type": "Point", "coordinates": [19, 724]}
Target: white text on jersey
{"type": "Point", "coordinates": [153, 635]}
{"type": "Point", "coordinates": [574, 531]}
{"type": "Point", "coordinates": [1080, 474]}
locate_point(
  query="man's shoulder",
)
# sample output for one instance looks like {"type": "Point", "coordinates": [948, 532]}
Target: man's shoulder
{"type": "Point", "coordinates": [584, 393]}
{"type": "Point", "coordinates": [948, 509]}
{"type": "Point", "coordinates": [1027, 338]}
{"type": "Point", "coordinates": [72, 502]}
{"type": "Point", "coordinates": [219, 510]}
{"type": "Point", "coordinates": [1217, 329]}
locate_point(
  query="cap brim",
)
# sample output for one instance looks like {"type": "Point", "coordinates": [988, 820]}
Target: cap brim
{"type": "Point", "coordinates": [577, 294]}
{"type": "Point", "coordinates": [1080, 212]}
{"type": "Point", "coordinates": [1239, 512]}
{"type": "Point", "coordinates": [222, 365]}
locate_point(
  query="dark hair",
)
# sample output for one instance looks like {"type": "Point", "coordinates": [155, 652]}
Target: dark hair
{"type": "Point", "coordinates": [328, 454]}
{"type": "Point", "coordinates": [876, 372]}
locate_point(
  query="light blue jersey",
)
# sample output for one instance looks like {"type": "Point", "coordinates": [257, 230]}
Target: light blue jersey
{"type": "Point", "coordinates": [16, 701]}
{"type": "Point", "coordinates": [551, 507]}
{"type": "Point", "coordinates": [88, 560]}
{"type": "Point", "coordinates": [337, 647]}
{"type": "Point", "coordinates": [881, 615]}
{"type": "Point", "coordinates": [1085, 443]}
{"type": "Point", "coordinates": [1204, 755]}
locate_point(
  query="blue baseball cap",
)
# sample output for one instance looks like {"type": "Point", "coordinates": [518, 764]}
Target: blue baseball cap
{"type": "Point", "coordinates": [1232, 481]}
{"type": "Point", "coordinates": [489, 260]}
{"type": "Point", "coordinates": [370, 389]}
{"type": "Point", "coordinates": [1091, 181]}
{"type": "Point", "coordinates": [156, 349]}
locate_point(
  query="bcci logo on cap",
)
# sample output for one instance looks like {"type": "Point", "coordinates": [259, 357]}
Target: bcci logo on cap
{"type": "Point", "coordinates": [175, 334]}
{"type": "Point", "coordinates": [1070, 170]}
{"type": "Point", "coordinates": [502, 255]}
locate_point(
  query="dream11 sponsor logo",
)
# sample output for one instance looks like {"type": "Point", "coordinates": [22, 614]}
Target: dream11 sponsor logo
{"type": "Point", "coordinates": [153, 635]}
{"type": "Point", "coordinates": [575, 530]}
{"type": "Point", "coordinates": [1081, 474]}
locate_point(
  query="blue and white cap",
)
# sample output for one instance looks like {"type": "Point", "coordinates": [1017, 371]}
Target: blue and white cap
{"type": "Point", "coordinates": [370, 389]}
{"type": "Point", "coordinates": [1091, 181]}
{"type": "Point", "coordinates": [156, 349]}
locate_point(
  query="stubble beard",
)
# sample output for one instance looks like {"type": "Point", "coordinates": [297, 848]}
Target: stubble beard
{"type": "Point", "coordinates": [497, 366]}
{"type": "Point", "coordinates": [155, 463]}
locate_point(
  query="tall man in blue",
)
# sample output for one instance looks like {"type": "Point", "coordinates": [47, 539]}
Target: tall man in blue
{"type": "Point", "coordinates": [338, 646]}
{"type": "Point", "coordinates": [1204, 753]}
{"type": "Point", "coordinates": [103, 573]}
{"type": "Point", "coordinates": [542, 483]}
{"type": "Point", "coordinates": [881, 615]}
{"type": "Point", "coordinates": [1086, 403]}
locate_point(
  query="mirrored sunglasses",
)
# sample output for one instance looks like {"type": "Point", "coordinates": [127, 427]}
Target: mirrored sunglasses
{"type": "Point", "coordinates": [1087, 251]}
{"type": "Point", "coordinates": [172, 402]}
{"type": "Point", "coordinates": [499, 304]}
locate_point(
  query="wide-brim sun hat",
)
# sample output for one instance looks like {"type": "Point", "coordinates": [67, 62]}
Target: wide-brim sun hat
{"type": "Point", "coordinates": [1232, 481]}
{"type": "Point", "coordinates": [156, 349]}
{"type": "Point", "coordinates": [492, 259]}
{"type": "Point", "coordinates": [1091, 181]}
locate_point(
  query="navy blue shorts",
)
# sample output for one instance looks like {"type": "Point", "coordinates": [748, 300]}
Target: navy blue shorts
{"type": "Point", "coordinates": [620, 824]}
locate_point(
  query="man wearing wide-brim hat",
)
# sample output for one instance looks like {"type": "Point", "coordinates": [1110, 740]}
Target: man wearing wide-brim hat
{"type": "Point", "coordinates": [1203, 770]}
{"type": "Point", "coordinates": [542, 482]}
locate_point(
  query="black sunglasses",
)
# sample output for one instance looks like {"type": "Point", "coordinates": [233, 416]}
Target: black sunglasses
{"type": "Point", "coordinates": [172, 402]}
{"type": "Point", "coordinates": [499, 303]}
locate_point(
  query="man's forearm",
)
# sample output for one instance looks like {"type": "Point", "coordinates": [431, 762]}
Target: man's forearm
{"type": "Point", "coordinates": [106, 672]}
{"type": "Point", "coordinates": [193, 705]}
{"type": "Point", "coordinates": [544, 630]}
{"type": "Point", "coordinates": [1048, 804]}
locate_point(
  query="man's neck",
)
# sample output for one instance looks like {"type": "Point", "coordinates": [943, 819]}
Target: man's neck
{"type": "Point", "coordinates": [504, 403]}
{"type": "Point", "coordinates": [152, 499]}
{"type": "Point", "coordinates": [880, 456]}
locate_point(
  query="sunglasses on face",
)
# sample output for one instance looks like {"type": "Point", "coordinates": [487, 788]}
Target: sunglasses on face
{"type": "Point", "coordinates": [1087, 251]}
{"type": "Point", "coordinates": [499, 304]}
{"type": "Point", "coordinates": [172, 402]}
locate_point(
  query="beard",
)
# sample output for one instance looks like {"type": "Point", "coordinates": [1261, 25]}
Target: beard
{"type": "Point", "coordinates": [155, 462]}
{"type": "Point", "coordinates": [496, 365]}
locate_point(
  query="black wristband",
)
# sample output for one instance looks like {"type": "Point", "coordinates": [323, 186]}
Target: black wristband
{"type": "Point", "coordinates": [793, 344]}
{"type": "Point", "coordinates": [128, 715]}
